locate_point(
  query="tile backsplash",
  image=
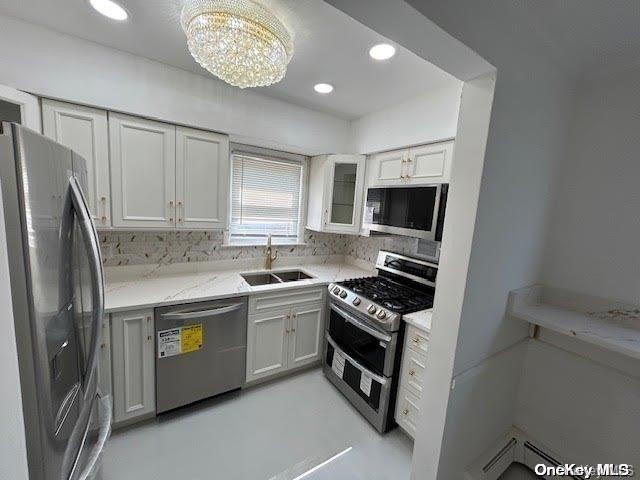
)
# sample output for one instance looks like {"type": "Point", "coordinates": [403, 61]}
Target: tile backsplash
{"type": "Point", "coordinates": [142, 248]}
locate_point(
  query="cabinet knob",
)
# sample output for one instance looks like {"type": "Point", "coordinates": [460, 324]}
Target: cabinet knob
{"type": "Point", "coordinates": [412, 372]}
{"type": "Point", "coordinates": [416, 340]}
{"type": "Point", "coordinates": [405, 412]}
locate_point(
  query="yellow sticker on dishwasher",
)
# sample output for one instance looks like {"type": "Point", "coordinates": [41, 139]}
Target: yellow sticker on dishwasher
{"type": "Point", "coordinates": [191, 338]}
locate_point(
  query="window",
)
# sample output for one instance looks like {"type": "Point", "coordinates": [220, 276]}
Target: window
{"type": "Point", "coordinates": [266, 198]}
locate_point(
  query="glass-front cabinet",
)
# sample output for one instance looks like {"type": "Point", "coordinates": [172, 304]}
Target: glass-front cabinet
{"type": "Point", "coordinates": [335, 193]}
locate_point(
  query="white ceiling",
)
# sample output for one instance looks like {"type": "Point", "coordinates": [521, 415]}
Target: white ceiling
{"type": "Point", "coordinates": [330, 47]}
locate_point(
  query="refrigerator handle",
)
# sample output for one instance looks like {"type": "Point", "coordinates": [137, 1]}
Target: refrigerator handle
{"type": "Point", "coordinates": [92, 245]}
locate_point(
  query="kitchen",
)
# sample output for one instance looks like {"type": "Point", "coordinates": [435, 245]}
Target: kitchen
{"type": "Point", "coordinates": [233, 263]}
{"type": "Point", "coordinates": [302, 264]}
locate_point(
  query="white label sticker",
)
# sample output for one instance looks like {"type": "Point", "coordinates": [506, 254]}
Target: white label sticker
{"type": "Point", "coordinates": [368, 215]}
{"type": "Point", "coordinates": [337, 364]}
{"type": "Point", "coordinates": [169, 343]}
{"type": "Point", "coordinates": [365, 384]}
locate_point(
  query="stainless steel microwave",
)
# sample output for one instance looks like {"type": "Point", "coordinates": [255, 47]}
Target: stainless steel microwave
{"type": "Point", "coordinates": [412, 211]}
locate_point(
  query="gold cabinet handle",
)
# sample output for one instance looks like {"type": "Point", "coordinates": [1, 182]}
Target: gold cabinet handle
{"type": "Point", "coordinates": [181, 211]}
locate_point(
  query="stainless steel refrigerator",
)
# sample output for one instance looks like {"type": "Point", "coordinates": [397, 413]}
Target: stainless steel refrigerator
{"type": "Point", "coordinates": [58, 304]}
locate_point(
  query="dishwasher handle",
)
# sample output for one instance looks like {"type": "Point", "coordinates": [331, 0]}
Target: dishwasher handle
{"type": "Point", "coordinates": [201, 313]}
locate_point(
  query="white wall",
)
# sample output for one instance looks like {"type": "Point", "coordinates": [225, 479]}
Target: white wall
{"type": "Point", "coordinates": [13, 458]}
{"type": "Point", "coordinates": [49, 63]}
{"type": "Point", "coordinates": [581, 400]}
{"type": "Point", "coordinates": [594, 237]}
{"type": "Point", "coordinates": [428, 118]}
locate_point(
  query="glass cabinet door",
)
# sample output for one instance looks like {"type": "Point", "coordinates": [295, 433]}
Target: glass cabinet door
{"type": "Point", "coordinates": [344, 190]}
{"type": "Point", "coordinates": [345, 200]}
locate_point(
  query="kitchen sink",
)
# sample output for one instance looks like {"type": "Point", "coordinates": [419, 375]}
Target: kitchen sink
{"type": "Point", "coordinates": [266, 278]}
{"type": "Point", "coordinates": [292, 276]}
{"type": "Point", "coordinates": [255, 279]}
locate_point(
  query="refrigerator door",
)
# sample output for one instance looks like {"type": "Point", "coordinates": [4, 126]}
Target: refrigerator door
{"type": "Point", "coordinates": [42, 171]}
{"type": "Point", "coordinates": [59, 290]}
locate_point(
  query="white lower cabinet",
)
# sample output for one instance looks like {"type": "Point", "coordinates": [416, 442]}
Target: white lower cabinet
{"type": "Point", "coordinates": [412, 374]}
{"type": "Point", "coordinates": [306, 335]}
{"type": "Point", "coordinates": [285, 337]}
{"type": "Point", "coordinates": [133, 364]}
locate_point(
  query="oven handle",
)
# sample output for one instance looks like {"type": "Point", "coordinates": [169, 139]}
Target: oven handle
{"type": "Point", "coordinates": [361, 325]}
{"type": "Point", "coordinates": [336, 348]}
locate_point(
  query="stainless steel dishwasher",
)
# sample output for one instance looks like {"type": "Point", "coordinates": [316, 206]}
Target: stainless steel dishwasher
{"type": "Point", "coordinates": [200, 351]}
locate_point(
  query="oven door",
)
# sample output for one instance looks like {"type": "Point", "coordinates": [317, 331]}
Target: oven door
{"type": "Point", "coordinates": [369, 346]}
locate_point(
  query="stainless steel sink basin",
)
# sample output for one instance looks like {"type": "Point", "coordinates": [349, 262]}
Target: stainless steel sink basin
{"type": "Point", "coordinates": [255, 279]}
{"type": "Point", "coordinates": [267, 278]}
{"type": "Point", "coordinates": [292, 276]}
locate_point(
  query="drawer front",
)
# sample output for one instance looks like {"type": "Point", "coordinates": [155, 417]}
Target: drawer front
{"type": "Point", "coordinates": [285, 298]}
{"type": "Point", "coordinates": [408, 411]}
{"type": "Point", "coordinates": [417, 339]}
{"type": "Point", "coordinates": [413, 370]}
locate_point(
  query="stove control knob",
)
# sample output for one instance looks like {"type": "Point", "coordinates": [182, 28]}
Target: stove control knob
{"type": "Point", "coordinates": [371, 309]}
{"type": "Point", "coordinates": [343, 294]}
{"type": "Point", "coordinates": [336, 291]}
{"type": "Point", "coordinates": [356, 301]}
{"type": "Point", "coordinates": [382, 314]}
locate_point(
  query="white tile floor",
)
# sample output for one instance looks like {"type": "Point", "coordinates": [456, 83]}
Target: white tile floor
{"type": "Point", "coordinates": [279, 429]}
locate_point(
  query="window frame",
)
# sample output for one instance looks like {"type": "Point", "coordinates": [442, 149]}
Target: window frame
{"type": "Point", "coordinates": [275, 155]}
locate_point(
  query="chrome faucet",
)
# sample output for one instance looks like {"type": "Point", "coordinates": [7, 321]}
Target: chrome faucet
{"type": "Point", "coordinates": [269, 259]}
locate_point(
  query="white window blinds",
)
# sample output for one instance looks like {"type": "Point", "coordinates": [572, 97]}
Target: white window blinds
{"type": "Point", "coordinates": [266, 197]}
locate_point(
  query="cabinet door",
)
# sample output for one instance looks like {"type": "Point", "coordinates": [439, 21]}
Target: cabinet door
{"type": "Point", "coordinates": [429, 164]}
{"type": "Point", "coordinates": [133, 364]}
{"type": "Point", "coordinates": [267, 336]}
{"type": "Point", "coordinates": [104, 359]}
{"type": "Point", "coordinates": [202, 179]}
{"type": "Point", "coordinates": [306, 334]}
{"type": "Point", "coordinates": [345, 190]}
{"type": "Point", "coordinates": [84, 130]}
{"type": "Point", "coordinates": [407, 411]}
{"type": "Point", "coordinates": [143, 167]}
{"type": "Point", "coordinates": [387, 168]}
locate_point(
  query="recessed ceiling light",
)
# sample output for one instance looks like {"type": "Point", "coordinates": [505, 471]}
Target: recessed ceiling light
{"type": "Point", "coordinates": [323, 88]}
{"type": "Point", "coordinates": [110, 9]}
{"type": "Point", "coordinates": [382, 51]}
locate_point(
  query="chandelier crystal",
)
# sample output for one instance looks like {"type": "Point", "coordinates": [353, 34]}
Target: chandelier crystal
{"type": "Point", "coordinates": [239, 41]}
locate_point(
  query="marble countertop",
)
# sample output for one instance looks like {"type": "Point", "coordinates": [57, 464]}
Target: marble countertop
{"type": "Point", "coordinates": [612, 325]}
{"type": "Point", "coordinates": [421, 319]}
{"type": "Point", "coordinates": [129, 288]}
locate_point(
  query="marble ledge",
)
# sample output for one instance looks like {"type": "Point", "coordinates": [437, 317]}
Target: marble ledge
{"type": "Point", "coordinates": [421, 319]}
{"type": "Point", "coordinates": [609, 324]}
{"type": "Point", "coordinates": [149, 286]}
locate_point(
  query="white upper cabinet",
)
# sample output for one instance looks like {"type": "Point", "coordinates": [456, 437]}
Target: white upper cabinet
{"type": "Point", "coordinates": [84, 130]}
{"type": "Point", "coordinates": [335, 193]}
{"type": "Point", "coordinates": [143, 172]}
{"type": "Point", "coordinates": [429, 163]}
{"type": "Point", "coordinates": [386, 168]}
{"type": "Point", "coordinates": [202, 179]}
{"type": "Point", "coordinates": [422, 165]}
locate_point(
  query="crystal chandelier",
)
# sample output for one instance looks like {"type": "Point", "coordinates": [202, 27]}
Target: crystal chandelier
{"type": "Point", "coordinates": [239, 41]}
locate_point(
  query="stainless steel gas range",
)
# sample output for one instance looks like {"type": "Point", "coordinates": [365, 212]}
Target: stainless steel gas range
{"type": "Point", "coordinates": [365, 331]}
